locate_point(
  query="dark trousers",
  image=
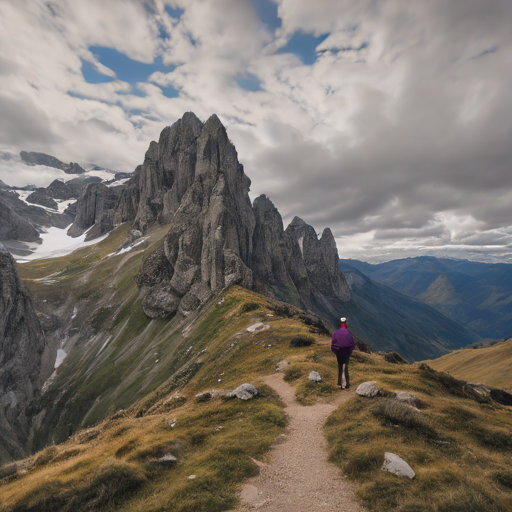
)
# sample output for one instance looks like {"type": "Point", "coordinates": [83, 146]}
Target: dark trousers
{"type": "Point", "coordinates": [343, 356]}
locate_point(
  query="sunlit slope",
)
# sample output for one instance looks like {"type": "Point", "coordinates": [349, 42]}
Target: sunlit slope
{"type": "Point", "coordinates": [490, 365]}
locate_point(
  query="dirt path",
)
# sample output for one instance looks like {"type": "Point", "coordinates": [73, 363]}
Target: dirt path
{"type": "Point", "coordinates": [299, 478]}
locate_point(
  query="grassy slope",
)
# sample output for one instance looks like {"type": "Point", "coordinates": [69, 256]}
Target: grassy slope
{"type": "Point", "coordinates": [490, 365]}
{"type": "Point", "coordinates": [459, 449]}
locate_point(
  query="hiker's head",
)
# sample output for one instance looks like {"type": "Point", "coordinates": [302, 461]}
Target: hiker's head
{"type": "Point", "coordinates": [343, 322]}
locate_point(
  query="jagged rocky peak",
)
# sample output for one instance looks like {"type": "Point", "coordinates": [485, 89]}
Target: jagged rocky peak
{"type": "Point", "coordinates": [191, 179]}
{"type": "Point", "coordinates": [22, 345]}
{"type": "Point", "coordinates": [209, 243]}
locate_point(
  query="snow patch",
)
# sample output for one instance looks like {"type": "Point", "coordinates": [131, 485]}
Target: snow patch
{"type": "Point", "coordinates": [56, 242]}
{"type": "Point", "coordinates": [104, 345]}
{"type": "Point", "coordinates": [61, 355]}
{"type": "Point", "coordinates": [301, 245]}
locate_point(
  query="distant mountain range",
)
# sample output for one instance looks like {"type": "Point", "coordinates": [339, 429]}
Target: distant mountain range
{"type": "Point", "coordinates": [476, 295]}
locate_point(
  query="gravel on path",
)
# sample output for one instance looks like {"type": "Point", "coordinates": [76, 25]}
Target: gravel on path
{"type": "Point", "coordinates": [299, 477]}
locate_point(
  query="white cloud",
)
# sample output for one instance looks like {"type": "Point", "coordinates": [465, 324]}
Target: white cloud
{"type": "Point", "coordinates": [400, 129]}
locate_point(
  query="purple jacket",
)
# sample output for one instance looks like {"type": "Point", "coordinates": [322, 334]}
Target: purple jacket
{"type": "Point", "coordinates": [342, 339]}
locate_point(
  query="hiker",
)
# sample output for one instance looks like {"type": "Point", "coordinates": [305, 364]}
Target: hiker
{"type": "Point", "coordinates": [342, 345]}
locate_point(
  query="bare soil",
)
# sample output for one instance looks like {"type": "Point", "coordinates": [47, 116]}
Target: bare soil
{"type": "Point", "coordinates": [299, 477]}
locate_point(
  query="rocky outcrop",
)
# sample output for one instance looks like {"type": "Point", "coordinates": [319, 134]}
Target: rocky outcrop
{"type": "Point", "coordinates": [60, 190]}
{"type": "Point", "coordinates": [95, 208]}
{"type": "Point", "coordinates": [41, 198]}
{"type": "Point", "coordinates": [192, 180]}
{"type": "Point", "coordinates": [15, 227]}
{"type": "Point", "coordinates": [34, 215]}
{"type": "Point", "coordinates": [21, 348]}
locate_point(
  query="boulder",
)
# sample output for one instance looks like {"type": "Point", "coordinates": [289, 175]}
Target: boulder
{"type": "Point", "coordinates": [408, 398]}
{"type": "Point", "coordinates": [315, 377]}
{"type": "Point", "coordinates": [245, 391]}
{"type": "Point", "coordinates": [168, 460]}
{"type": "Point", "coordinates": [368, 389]}
{"type": "Point", "coordinates": [394, 464]}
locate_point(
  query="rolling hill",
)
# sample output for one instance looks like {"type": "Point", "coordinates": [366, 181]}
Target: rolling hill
{"type": "Point", "coordinates": [489, 365]}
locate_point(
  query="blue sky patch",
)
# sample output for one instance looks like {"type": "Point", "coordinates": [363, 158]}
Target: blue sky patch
{"type": "Point", "coordinates": [249, 82]}
{"type": "Point", "coordinates": [92, 76]}
{"type": "Point", "coordinates": [267, 12]}
{"type": "Point", "coordinates": [173, 12]}
{"type": "Point", "coordinates": [169, 91]}
{"type": "Point", "coordinates": [126, 69]}
{"type": "Point", "coordinates": [304, 46]}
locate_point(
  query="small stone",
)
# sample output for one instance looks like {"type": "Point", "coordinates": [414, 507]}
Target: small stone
{"type": "Point", "coordinates": [191, 477]}
{"type": "Point", "coordinates": [258, 327]}
{"type": "Point", "coordinates": [282, 365]}
{"type": "Point", "coordinates": [368, 389]}
{"type": "Point", "coordinates": [394, 464]}
{"type": "Point", "coordinates": [408, 398]}
{"type": "Point", "coordinates": [168, 460]}
{"type": "Point", "coordinates": [315, 377]}
{"type": "Point", "coordinates": [245, 391]}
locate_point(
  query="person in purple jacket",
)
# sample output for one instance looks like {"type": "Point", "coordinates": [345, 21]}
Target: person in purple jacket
{"type": "Point", "coordinates": [342, 345]}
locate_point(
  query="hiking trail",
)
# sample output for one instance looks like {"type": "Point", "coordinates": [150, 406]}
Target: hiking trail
{"type": "Point", "coordinates": [299, 477]}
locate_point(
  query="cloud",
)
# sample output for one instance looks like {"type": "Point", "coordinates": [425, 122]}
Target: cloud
{"type": "Point", "coordinates": [397, 135]}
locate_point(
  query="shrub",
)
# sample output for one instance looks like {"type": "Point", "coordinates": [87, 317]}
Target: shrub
{"type": "Point", "coordinates": [302, 340]}
{"type": "Point", "coordinates": [399, 413]}
{"type": "Point", "coordinates": [110, 484]}
{"type": "Point", "coordinates": [249, 306]}
{"type": "Point", "coordinates": [46, 456]}
{"type": "Point", "coordinates": [293, 373]}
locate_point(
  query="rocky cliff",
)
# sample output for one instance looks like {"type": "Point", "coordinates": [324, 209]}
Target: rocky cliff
{"type": "Point", "coordinates": [192, 180]}
{"type": "Point", "coordinates": [22, 345]}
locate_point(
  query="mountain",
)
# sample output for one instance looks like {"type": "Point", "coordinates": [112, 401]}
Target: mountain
{"type": "Point", "coordinates": [33, 158]}
{"type": "Point", "coordinates": [182, 232]}
{"type": "Point", "coordinates": [22, 344]}
{"type": "Point", "coordinates": [490, 365]}
{"type": "Point", "coordinates": [476, 295]}
{"type": "Point", "coordinates": [391, 320]}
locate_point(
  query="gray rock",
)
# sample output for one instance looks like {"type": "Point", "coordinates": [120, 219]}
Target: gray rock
{"type": "Point", "coordinates": [95, 208]}
{"type": "Point", "coordinates": [22, 345]}
{"type": "Point", "coordinates": [41, 198]}
{"type": "Point", "coordinates": [168, 460]}
{"type": "Point", "coordinates": [245, 391]}
{"type": "Point", "coordinates": [161, 302]}
{"type": "Point", "coordinates": [15, 227]}
{"type": "Point", "coordinates": [34, 158]}
{"type": "Point", "coordinates": [315, 377]}
{"type": "Point", "coordinates": [408, 398]}
{"type": "Point", "coordinates": [368, 389]}
{"type": "Point", "coordinates": [155, 270]}
{"type": "Point", "coordinates": [59, 190]}
{"type": "Point", "coordinates": [394, 464]}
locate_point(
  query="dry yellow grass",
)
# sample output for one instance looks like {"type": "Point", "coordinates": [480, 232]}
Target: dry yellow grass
{"type": "Point", "coordinates": [490, 365]}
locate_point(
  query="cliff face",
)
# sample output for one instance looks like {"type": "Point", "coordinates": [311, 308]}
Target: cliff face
{"type": "Point", "coordinates": [192, 180]}
{"type": "Point", "coordinates": [21, 348]}
{"type": "Point", "coordinates": [95, 208]}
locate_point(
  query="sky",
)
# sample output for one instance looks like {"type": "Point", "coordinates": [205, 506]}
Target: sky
{"type": "Point", "coordinates": [389, 121]}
